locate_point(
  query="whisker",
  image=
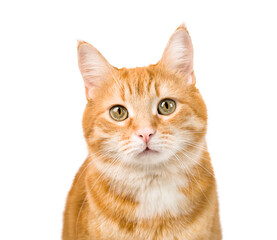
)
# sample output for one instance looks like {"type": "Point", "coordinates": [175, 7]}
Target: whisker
{"type": "Point", "coordinates": [195, 145]}
{"type": "Point", "coordinates": [91, 162]}
{"type": "Point", "coordinates": [212, 174]}
{"type": "Point", "coordinates": [199, 184]}
{"type": "Point", "coordinates": [208, 159]}
{"type": "Point", "coordinates": [187, 156]}
{"type": "Point", "coordinates": [192, 175]}
{"type": "Point", "coordinates": [85, 199]}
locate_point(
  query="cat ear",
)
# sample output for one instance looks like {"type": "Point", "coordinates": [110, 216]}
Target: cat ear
{"type": "Point", "coordinates": [178, 54]}
{"type": "Point", "coordinates": [93, 67]}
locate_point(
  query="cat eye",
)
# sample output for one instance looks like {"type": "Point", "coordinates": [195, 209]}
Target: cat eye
{"type": "Point", "coordinates": [118, 113]}
{"type": "Point", "coordinates": [166, 107]}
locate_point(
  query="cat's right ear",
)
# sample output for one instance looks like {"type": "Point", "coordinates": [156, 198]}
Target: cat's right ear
{"type": "Point", "coordinates": [93, 67]}
{"type": "Point", "coordinates": [178, 55]}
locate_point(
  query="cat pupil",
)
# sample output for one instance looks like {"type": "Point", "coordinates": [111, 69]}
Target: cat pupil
{"type": "Point", "coordinates": [119, 111]}
{"type": "Point", "coordinates": [166, 105]}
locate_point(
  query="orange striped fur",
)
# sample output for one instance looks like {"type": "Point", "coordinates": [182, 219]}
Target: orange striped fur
{"type": "Point", "coordinates": [169, 195]}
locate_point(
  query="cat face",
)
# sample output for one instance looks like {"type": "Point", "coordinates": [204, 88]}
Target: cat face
{"type": "Point", "coordinates": [142, 116]}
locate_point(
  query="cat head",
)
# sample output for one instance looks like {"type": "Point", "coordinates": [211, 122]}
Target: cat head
{"type": "Point", "coordinates": [142, 116]}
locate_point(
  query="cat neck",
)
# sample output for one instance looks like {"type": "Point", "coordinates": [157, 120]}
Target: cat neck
{"type": "Point", "coordinates": [153, 191]}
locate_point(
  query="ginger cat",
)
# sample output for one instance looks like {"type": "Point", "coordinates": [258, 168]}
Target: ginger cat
{"type": "Point", "coordinates": [148, 174]}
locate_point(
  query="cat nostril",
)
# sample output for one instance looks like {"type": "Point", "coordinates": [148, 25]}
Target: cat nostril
{"type": "Point", "coordinates": [146, 134]}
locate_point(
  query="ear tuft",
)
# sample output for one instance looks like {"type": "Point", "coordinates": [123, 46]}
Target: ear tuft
{"type": "Point", "coordinates": [183, 27]}
{"type": "Point", "coordinates": [80, 42]}
{"type": "Point", "coordinates": [178, 54]}
{"type": "Point", "coordinates": [93, 67]}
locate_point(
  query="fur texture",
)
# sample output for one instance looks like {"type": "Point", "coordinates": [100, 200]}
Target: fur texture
{"type": "Point", "coordinates": [124, 192]}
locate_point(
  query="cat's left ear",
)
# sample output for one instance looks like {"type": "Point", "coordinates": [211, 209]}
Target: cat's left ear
{"type": "Point", "coordinates": [178, 55]}
{"type": "Point", "coordinates": [93, 67]}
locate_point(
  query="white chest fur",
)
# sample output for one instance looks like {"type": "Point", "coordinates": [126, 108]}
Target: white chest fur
{"type": "Point", "coordinates": [160, 196]}
{"type": "Point", "coordinates": [155, 195]}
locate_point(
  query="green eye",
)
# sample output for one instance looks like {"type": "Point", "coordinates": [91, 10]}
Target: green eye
{"type": "Point", "coordinates": [118, 113]}
{"type": "Point", "coordinates": [166, 107]}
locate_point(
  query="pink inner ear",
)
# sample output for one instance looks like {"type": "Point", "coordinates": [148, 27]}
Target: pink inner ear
{"type": "Point", "coordinates": [93, 67]}
{"type": "Point", "coordinates": [178, 55]}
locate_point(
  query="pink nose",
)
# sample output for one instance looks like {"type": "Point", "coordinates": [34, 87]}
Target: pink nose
{"type": "Point", "coordinates": [146, 133]}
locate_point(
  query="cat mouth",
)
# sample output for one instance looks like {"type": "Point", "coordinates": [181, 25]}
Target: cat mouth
{"type": "Point", "coordinates": [148, 151]}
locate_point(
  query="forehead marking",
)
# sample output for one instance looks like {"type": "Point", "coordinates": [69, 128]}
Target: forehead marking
{"type": "Point", "coordinates": [129, 87]}
{"type": "Point", "coordinates": [157, 89]}
{"type": "Point", "coordinates": [139, 81]}
{"type": "Point", "coordinates": [122, 94]}
{"type": "Point", "coordinates": [140, 86]}
{"type": "Point", "coordinates": [150, 78]}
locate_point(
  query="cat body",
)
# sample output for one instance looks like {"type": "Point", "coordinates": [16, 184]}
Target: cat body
{"type": "Point", "coordinates": [148, 175]}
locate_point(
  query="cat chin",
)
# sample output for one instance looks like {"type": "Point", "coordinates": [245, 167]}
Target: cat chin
{"type": "Point", "coordinates": [148, 158]}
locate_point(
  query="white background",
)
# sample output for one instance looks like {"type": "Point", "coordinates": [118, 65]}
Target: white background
{"type": "Point", "coordinates": [42, 100]}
